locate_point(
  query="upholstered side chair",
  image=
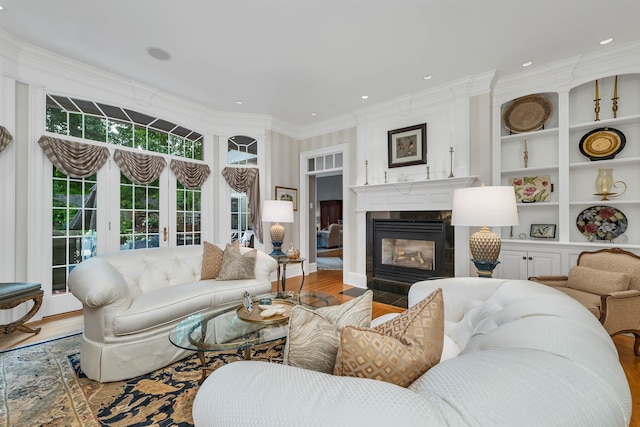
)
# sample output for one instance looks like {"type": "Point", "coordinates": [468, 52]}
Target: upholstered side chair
{"type": "Point", "coordinates": [607, 283]}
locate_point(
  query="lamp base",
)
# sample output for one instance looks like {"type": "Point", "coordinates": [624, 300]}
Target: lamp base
{"type": "Point", "coordinates": [277, 237]}
{"type": "Point", "coordinates": [277, 249]}
{"type": "Point", "coordinates": [485, 268]}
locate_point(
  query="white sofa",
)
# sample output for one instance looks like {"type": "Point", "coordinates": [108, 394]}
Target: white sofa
{"type": "Point", "coordinates": [516, 353]}
{"type": "Point", "coordinates": [132, 299]}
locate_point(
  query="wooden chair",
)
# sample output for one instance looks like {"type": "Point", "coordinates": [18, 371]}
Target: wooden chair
{"type": "Point", "coordinates": [15, 293]}
{"type": "Point", "coordinates": [607, 283]}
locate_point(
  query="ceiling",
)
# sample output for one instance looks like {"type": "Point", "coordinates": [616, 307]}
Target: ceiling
{"type": "Point", "coordinates": [292, 58]}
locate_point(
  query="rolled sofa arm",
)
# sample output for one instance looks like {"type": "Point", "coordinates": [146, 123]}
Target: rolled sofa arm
{"type": "Point", "coordinates": [553, 280]}
{"type": "Point", "coordinates": [265, 264]}
{"type": "Point", "coordinates": [96, 283]}
{"type": "Point", "coordinates": [625, 294]}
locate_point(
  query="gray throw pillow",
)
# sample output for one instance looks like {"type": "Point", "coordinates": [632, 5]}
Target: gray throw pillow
{"type": "Point", "coordinates": [314, 335]}
{"type": "Point", "coordinates": [236, 266]}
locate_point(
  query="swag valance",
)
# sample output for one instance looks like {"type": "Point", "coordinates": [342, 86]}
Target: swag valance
{"type": "Point", "coordinates": [74, 159]}
{"type": "Point", "coordinates": [140, 168]}
{"type": "Point", "coordinates": [191, 175]}
{"type": "Point", "coordinates": [5, 138]}
{"type": "Point", "coordinates": [246, 180]}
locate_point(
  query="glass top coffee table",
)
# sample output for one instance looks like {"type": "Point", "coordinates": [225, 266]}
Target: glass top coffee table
{"type": "Point", "coordinates": [230, 327]}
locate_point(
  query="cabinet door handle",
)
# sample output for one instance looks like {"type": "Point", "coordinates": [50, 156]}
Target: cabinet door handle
{"type": "Point", "coordinates": [164, 232]}
{"type": "Point", "coordinates": [524, 258]}
{"type": "Point", "coordinates": [530, 258]}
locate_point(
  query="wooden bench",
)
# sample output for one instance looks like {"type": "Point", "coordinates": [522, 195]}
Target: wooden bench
{"type": "Point", "coordinates": [15, 293]}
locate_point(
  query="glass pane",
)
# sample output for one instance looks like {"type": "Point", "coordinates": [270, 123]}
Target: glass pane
{"type": "Point", "coordinates": [59, 251]}
{"type": "Point", "coordinates": [59, 280]}
{"type": "Point", "coordinates": [319, 163]}
{"type": "Point", "coordinates": [75, 124]}
{"type": "Point", "coordinates": [328, 161]}
{"type": "Point", "coordinates": [197, 151]}
{"type": "Point", "coordinates": [120, 133]}
{"type": "Point", "coordinates": [75, 193]}
{"type": "Point", "coordinates": [95, 128]}
{"type": "Point", "coordinates": [59, 193]}
{"type": "Point", "coordinates": [338, 160]}
{"type": "Point", "coordinates": [126, 196]}
{"type": "Point", "coordinates": [126, 222]}
{"type": "Point", "coordinates": [140, 198]}
{"type": "Point", "coordinates": [56, 120]}
{"type": "Point", "coordinates": [153, 220]}
{"type": "Point", "coordinates": [140, 137]}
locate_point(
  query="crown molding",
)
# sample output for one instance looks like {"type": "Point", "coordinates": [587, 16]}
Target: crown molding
{"type": "Point", "coordinates": [568, 73]}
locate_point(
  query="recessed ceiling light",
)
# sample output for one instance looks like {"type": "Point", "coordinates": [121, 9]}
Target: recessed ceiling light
{"type": "Point", "coordinates": [314, 114]}
{"type": "Point", "coordinates": [239, 102]}
{"type": "Point", "coordinates": [606, 41]}
{"type": "Point", "coordinates": [365, 96]}
{"type": "Point", "coordinates": [427, 76]}
{"type": "Point", "coordinates": [526, 64]}
{"type": "Point", "coordinates": [1, 7]}
{"type": "Point", "coordinates": [159, 54]}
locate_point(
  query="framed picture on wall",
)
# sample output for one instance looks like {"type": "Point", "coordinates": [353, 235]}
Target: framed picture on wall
{"type": "Point", "coordinates": [286, 193]}
{"type": "Point", "coordinates": [408, 146]}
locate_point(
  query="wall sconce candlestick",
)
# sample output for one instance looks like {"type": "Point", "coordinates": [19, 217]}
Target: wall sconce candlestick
{"type": "Point", "coordinates": [366, 172]}
{"type": "Point", "coordinates": [614, 107]}
{"type": "Point", "coordinates": [451, 161]}
{"type": "Point", "coordinates": [597, 101]}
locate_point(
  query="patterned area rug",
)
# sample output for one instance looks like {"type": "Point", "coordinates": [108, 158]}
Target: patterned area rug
{"type": "Point", "coordinates": [329, 263]}
{"type": "Point", "coordinates": [42, 384]}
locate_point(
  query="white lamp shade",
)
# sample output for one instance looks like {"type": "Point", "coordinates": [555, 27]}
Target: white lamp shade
{"type": "Point", "coordinates": [277, 211]}
{"type": "Point", "coordinates": [484, 207]}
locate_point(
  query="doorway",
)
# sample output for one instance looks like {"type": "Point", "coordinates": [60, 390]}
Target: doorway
{"type": "Point", "coordinates": [322, 168]}
{"type": "Point", "coordinates": [329, 221]}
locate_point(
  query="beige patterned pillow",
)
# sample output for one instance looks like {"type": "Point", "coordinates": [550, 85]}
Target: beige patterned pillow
{"type": "Point", "coordinates": [600, 282]}
{"type": "Point", "coordinates": [236, 266]}
{"type": "Point", "coordinates": [314, 336]}
{"type": "Point", "coordinates": [398, 351]}
{"type": "Point", "coordinates": [211, 261]}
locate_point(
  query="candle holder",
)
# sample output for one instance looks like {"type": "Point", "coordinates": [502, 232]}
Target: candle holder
{"type": "Point", "coordinates": [605, 183]}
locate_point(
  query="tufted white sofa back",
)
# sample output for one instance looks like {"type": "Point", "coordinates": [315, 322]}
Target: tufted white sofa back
{"type": "Point", "coordinates": [145, 270]}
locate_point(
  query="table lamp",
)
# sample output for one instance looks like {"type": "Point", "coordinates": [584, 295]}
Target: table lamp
{"type": "Point", "coordinates": [484, 207]}
{"type": "Point", "coordinates": [277, 211]}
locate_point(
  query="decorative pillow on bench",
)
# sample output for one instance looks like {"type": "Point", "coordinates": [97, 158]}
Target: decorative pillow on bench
{"type": "Point", "coordinates": [599, 282]}
{"type": "Point", "coordinates": [398, 351]}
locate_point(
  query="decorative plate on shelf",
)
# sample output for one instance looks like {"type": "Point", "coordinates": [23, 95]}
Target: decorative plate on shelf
{"type": "Point", "coordinates": [602, 143]}
{"type": "Point", "coordinates": [530, 189]}
{"type": "Point", "coordinates": [601, 223]}
{"type": "Point", "coordinates": [527, 113]}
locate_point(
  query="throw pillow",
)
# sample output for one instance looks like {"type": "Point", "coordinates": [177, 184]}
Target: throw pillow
{"type": "Point", "coordinates": [598, 282]}
{"type": "Point", "coordinates": [397, 351]}
{"type": "Point", "coordinates": [211, 261]}
{"type": "Point", "coordinates": [314, 336]}
{"type": "Point", "coordinates": [236, 266]}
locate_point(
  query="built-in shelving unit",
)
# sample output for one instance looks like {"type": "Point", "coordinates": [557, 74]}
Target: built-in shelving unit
{"type": "Point", "coordinates": [555, 151]}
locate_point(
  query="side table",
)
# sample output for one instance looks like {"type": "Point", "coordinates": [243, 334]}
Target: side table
{"type": "Point", "coordinates": [283, 261]}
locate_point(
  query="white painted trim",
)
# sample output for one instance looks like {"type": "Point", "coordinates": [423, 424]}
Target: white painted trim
{"type": "Point", "coordinates": [303, 198]}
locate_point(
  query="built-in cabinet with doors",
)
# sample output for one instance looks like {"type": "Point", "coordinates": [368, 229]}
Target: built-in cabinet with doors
{"type": "Point", "coordinates": [573, 158]}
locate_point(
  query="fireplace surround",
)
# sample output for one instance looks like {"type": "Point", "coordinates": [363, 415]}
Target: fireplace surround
{"type": "Point", "coordinates": [404, 247]}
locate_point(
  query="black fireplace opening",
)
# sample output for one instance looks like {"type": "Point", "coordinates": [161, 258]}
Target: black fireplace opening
{"type": "Point", "coordinates": [407, 247]}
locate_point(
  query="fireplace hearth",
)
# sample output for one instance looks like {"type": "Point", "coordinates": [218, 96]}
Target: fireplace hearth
{"type": "Point", "coordinates": [407, 247]}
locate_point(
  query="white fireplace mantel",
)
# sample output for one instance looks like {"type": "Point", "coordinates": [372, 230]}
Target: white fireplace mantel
{"type": "Point", "coordinates": [433, 194]}
{"type": "Point", "coordinates": [428, 195]}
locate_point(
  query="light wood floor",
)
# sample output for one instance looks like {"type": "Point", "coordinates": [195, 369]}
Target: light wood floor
{"type": "Point", "coordinates": [327, 281]}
